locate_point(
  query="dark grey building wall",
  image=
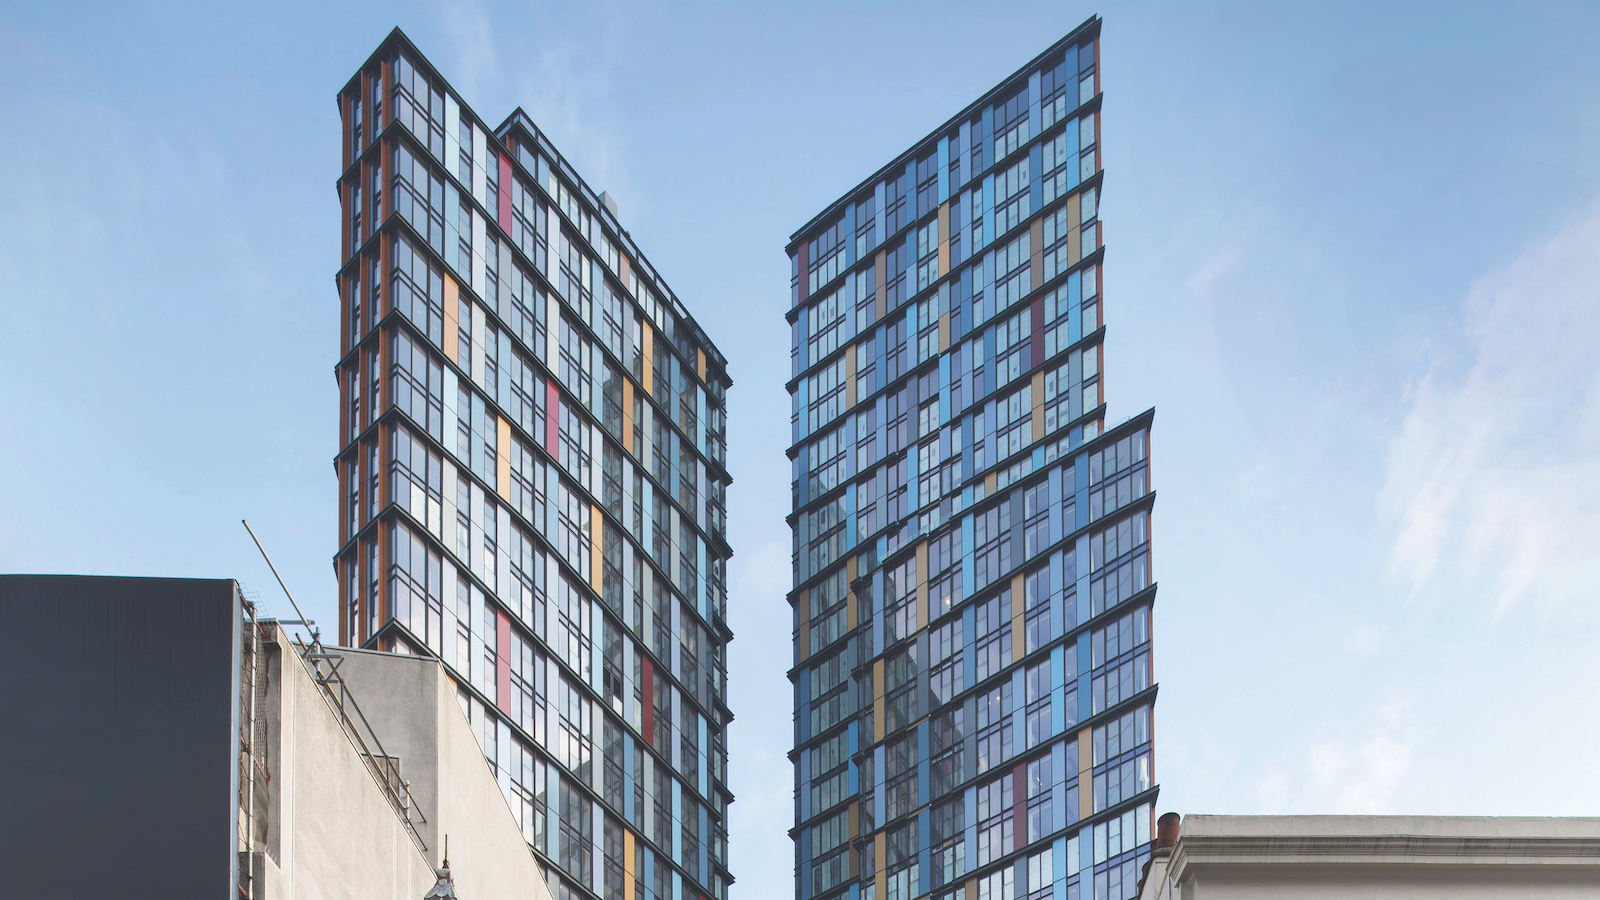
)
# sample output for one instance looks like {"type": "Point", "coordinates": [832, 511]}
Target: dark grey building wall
{"type": "Point", "coordinates": [117, 736]}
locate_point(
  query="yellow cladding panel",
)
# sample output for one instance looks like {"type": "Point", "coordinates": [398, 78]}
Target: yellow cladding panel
{"type": "Point", "coordinates": [1018, 645]}
{"type": "Point", "coordinates": [701, 354]}
{"type": "Point", "coordinates": [596, 548]}
{"type": "Point", "coordinates": [452, 325]}
{"type": "Point", "coordinates": [882, 301]}
{"type": "Point", "coordinates": [989, 484]}
{"type": "Point", "coordinates": [626, 281]}
{"type": "Point", "coordinates": [649, 357]}
{"type": "Point", "coordinates": [1085, 767]}
{"type": "Point", "coordinates": [627, 860]}
{"type": "Point", "coordinates": [1038, 404]}
{"type": "Point", "coordinates": [627, 416]}
{"type": "Point", "coordinates": [1036, 232]}
{"type": "Point", "coordinates": [883, 869]}
{"type": "Point", "coordinates": [503, 458]}
{"type": "Point", "coordinates": [972, 889]}
{"type": "Point", "coordinates": [944, 332]}
{"type": "Point", "coordinates": [849, 378]}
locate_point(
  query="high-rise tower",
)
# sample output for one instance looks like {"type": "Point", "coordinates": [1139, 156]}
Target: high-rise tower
{"type": "Point", "coordinates": [532, 481]}
{"type": "Point", "coordinates": [972, 581]}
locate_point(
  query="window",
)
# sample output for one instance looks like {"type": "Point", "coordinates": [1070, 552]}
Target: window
{"type": "Point", "coordinates": [866, 224]}
{"type": "Point", "coordinates": [1036, 719]}
{"type": "Point", "coordinates": [898, 261]}
{"type": "Point", "coordinates": [1012, 199]}
{"type": "Point", "coordinates": [992, 636]}
{"type": "Point", "coordinates": [1088, 221]}
{"type": "Point", "coordinates": [575, 853]}
{"type": "Point", "coordinates": [928, 313]}
{"type": "Point", "coordinates": [1038, 628]}
{"type": "Point", "coordinates": [1119, 562]}
{"type": "Point", "coordinates": [1119, 671]}
{"type": "Point", "coordinates": [417, 485]}
{"type": "Point", "coordinates": [355, 125]}
{"type": "Point", "coordinates": [947, 734]}
{"type": "Point", "coordinates": [827, 609]}
{"type": "Point", "coordinates": [944, 573]}
{"type": "Point", "coordinates": [927, 183]}
{"type": "Point", "coordinates": [1036, 519]}
{"type": "Point", "coordinates": [1013, 339]}
{"type": "Point", "coordinates": [866, 299]}
{"type": "Point", "coordinates": [895, 214]}
{"type": "Point", "coordinates": [829, 697]}
{"type": "Point", "coordinates": [826, 836]}
{"type": "Point", "coordinates": [1118, 475]}
{"type": "Point", "coordinates": [419, 196]}
{"type": "Point", "coordinates": [1013, 426]}
{"type": "Point", "coordinates": [529, 222]}
{"type": "Point", "coordinates": [1038, 783]}
{"type": "Point", "coordinates": [866, 368]}
{"type": "Point", "coordinates": [945, 680]}
{"type": "Point", "coordinates": [995, 820]}
{"type": "Point", "coordinates": [1123, 735]}
{"type": "Point", "coordinates": [1071, 310]}
{"type": "Point", "coordinates": [822, 533]}
{"type": "Point", "coordinates": [927, 253]}
{"type": "Point", "coordinates": [419, 106]}
{"type": "Point", "coordinates": [825, 325]}
{"type": "Point", "coordinates": [415, 585]}
{"type": "Point", "coordinates": [418, 386]}
{"type": "Point", "coordinates": [1011, 124]}
{"type": "Point", "coordinates": [826, 255]}
{"type": "Point", "coordinates": [1087, 136]}
{"type": "Point", "coordinates": [1013, 273]}
{"type": "Point", "coordinates": [826, 390]}
{"type": "Point", "coordinates": [947, 833]}
{"type": "Point", "coordinates": [992, 544]}
{"type": "Point", "coordinates": [900, 601]}
{"type": "Point", "coordinates": [1072, 388]}
{"type": "Point", "coordinates": [825, 461]}
{"type": "Point", "coordinates": [417, 290]}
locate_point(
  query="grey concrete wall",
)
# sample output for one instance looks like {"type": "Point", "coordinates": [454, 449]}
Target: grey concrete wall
{"type": "Point", "coordinates": [334, 832]}
{"type": "Point", "coordinates": [411, 704]}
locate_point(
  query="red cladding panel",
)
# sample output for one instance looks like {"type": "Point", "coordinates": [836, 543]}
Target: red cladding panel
{"type": "Point", "coordinates": [552, 418]}
{"type": "Point", "coordinates": [505, 194]}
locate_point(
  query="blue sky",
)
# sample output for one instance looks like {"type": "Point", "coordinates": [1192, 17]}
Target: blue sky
{"type": "Point", "coordinates": [1353, 261]}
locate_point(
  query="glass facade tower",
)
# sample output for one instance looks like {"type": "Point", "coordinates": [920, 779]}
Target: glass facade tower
{"type": "Point", "coordinates": [972, 574]}
{"type": "Point", "coordinates": [532, 482]}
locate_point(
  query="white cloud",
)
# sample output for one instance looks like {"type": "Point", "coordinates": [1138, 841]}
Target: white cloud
{"type": "Point", "coordinates": [1493, 482]}
{"type": "Point", "coordinates": [467, 24]}
{"type": "Point", "coordinates": [1363, 773]}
